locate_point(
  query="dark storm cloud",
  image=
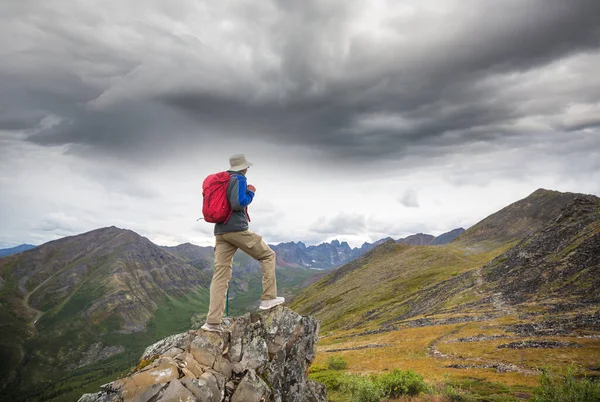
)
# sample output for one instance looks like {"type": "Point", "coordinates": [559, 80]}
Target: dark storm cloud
{"type": "Point", "coordinates": [299, 72]}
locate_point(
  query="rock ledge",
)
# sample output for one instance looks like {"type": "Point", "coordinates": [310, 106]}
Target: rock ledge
{"type": "Point", "coordinates": [260, 356]}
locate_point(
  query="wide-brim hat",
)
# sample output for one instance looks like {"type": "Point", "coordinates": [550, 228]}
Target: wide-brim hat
{"type": "Point", "coordinates": [239, 162]}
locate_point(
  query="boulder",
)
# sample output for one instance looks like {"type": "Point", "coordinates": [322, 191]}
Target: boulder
{"type": "Point", "coordinates": [260, 356]}
{"type": "Point", "coordinates": [251, 389]}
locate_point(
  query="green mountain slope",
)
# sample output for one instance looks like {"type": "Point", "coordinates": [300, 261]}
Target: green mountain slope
{"type": "Point", "coordinates": [79, 310]}
{"type": "Point", "coordinates": [93, 300]}
{"type": "Point", "coordinates": [395, 282]}
{"type": "Point", "coordinates": [514, 293]}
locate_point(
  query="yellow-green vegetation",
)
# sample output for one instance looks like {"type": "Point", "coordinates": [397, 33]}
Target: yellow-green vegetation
{"type": "Point", "coordinates": [556, 387]}
{"type": "Point", "coordinates": [386, 285]}
{"type": "Point", "coordinates": [336, 363]}
{"type": "Point", "coordinates": [354, 387]}
{"type": "Point", "coordinates": [478, 318]}
{"type": "Point", "coordinates": [172, 316]}
{"type": "Point", "coordinates": [144, 363]}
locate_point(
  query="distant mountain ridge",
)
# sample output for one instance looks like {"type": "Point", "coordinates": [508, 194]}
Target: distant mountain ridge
{"type": "Point", "coordinates": [14, 250]}
{"type": "Point", "coordinates": [335, 253]}
{"type": "Point", "coordinates": [325, 256]}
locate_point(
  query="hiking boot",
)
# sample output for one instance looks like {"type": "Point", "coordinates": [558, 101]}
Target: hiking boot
{"type": "Point", "coordinates": [212, 327]}
{"type": "Point", "coordinates": [269, 304]}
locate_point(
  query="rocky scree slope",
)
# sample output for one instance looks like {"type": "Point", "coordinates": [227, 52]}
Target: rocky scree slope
{"type": "Point", "coordinates": [260, 357]}
{"type": "Point", "coordinates": [516, 221]}
{"type": "Point", "coordinates": [558, 264]}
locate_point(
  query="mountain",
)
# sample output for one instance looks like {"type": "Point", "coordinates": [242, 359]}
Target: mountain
{"type": "Point", "coordinates": [558, 265]}
{"type": "Point", "coordinates": [538, 248]}
{"type": "Point", "coordinates": [523, 279]}
{"type": "Point", "coordinates": [13, 250]}
{"type": "Point", "coordinates": [419, 239]}
{"type": "Point", "coordinates": [322, 256]}
{"type": "Point", "coordinates": [369, 246]}
{"type": "Point", "coordinates": [447, 237]}
{"type": "Point", "coordinates": [334, 254]}
{"type": "Point", "coordinates": [85, 304]}
{"type": "Point", "coordinates": [517, 220]}
{"type": "Point", "coordinates": [200, 257]}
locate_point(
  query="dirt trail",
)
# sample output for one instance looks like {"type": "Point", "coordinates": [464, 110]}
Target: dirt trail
{"type": "Point", "coordinates": [37, 312]}
{"type": "Point", "coordinates": [475, 362]}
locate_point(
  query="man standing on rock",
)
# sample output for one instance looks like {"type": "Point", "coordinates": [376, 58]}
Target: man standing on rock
{"type": "Point", "coordinates": [233, 235]}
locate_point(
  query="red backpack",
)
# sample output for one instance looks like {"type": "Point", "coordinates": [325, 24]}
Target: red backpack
{"type": "Point", "coordinates": [215, 205]}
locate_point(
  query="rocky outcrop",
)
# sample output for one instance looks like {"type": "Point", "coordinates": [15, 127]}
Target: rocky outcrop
{"type": "Point", "coordinates": [259, 357]}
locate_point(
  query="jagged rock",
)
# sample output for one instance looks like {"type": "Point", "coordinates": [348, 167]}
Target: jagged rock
{"type": "Point", "coordinates": [260, 356]}
{"type": "Point", "coordinates": [255, 354]}
{"type": "Point", "coordinates": [251, 389]}
{"type": "Point", "coordinates": [176, 392]}
{"type": "Point", "coordinates": [180, 341]}
{"type": "Point", "coordinates": [191, 364]}
{"type": "Point", "coordinates": [147, 392]}
{"type": "Point", "coordinates": [205, 349]}
{"type": "Point", "coordinates": [202, 390]}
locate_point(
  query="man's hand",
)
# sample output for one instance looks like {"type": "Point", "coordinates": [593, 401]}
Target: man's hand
{"type": "Point", "coordinates": [251, 188]}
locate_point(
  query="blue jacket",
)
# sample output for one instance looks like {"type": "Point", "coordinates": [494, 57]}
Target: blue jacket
{"type": "Point", "coordinates": [239, 198]}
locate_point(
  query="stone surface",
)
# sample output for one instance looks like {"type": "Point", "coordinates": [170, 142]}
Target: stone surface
{"type": "Point", "coordinates": [202, 390]}
{"type": "Point", "coordinates": [176, 392]}
{"type": "Point", "coordinates": [181, 341]}
{"type": "Point", "coordinates": [145, 393]}
{"type": "Point", "coordinates": [163, 371]}
{"type": "Point", "coordinates": [255, 354]}
{"type": "Point", "coordinates": [206, 348]}
{"type": "Point", "coordinates": [251, 389]}
{"type": "Point", "coordinates": [260, 357]}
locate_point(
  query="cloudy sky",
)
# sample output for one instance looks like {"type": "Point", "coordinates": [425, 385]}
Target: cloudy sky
{"type": "Point", "coordinates": [363, 119]}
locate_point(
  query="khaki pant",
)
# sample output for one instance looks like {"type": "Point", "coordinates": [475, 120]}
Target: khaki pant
{"type": "Point", "coordinates": [226, 245]}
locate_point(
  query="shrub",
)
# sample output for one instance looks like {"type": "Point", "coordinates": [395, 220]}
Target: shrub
{"type": "Point", "coordinates": [399, 382]}
{"type": "Point", "coordinates": [337, 363]}
{"type": "Point", "coordinates": [566, 389]}
{"type": "Point", "coordinates": [362, 389]}
{"type": "Point", "coordinates": [315, 368]}
{"type": "Point", "coordinates": [457, 395]}
{"type": "Point", "coordinates": [333, 380]}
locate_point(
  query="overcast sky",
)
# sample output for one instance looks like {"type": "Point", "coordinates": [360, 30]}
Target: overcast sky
{"type": "Point", "coordinates": [363, 119]}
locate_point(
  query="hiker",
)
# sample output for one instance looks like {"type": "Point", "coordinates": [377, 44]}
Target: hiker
{"type": "Point", "coordinates": [233, 234]}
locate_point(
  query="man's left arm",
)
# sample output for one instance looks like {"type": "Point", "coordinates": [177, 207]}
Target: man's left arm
{"type": "Point", "coordinates": [245, 195]}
